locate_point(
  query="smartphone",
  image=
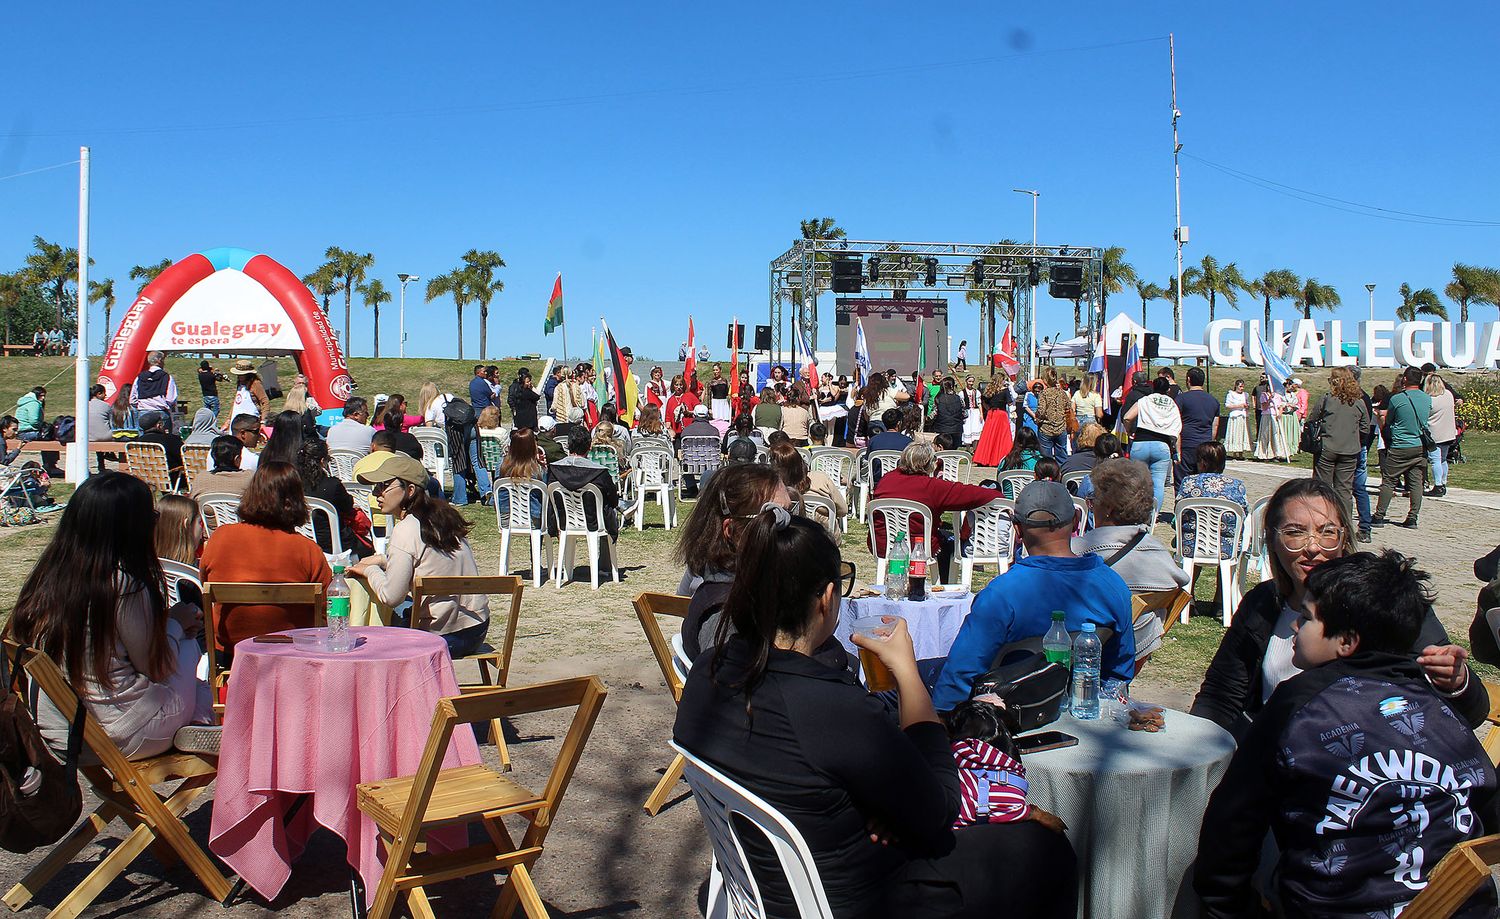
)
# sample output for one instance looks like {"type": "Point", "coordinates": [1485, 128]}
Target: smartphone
{"type": "Point", "coordinates": [1046, 740]}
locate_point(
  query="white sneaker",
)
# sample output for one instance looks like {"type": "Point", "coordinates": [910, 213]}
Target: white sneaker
{"type": "Point", "coordinates": [198, 738]}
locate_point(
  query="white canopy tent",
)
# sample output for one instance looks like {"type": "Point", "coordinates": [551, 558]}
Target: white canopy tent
{"type": "Point", "coordinates": [1118, 327]}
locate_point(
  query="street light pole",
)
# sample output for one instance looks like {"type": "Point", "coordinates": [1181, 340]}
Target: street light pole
{"type": "Point", "coordinates": [404, 279]}
{"type": "Point", "coordinates": [1371, 289]}
{"type": "Point", "coordinates": [1177, 234]}
{"type": "Point", "coordinates": [1031, 359]}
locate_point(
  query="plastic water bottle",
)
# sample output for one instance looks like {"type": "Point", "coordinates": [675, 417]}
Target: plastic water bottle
{"type": "Point", "coordinates": [1057, 644]}
{"type": "Point", "coordinates": [916, 572]}
{"type": "Point", "coordinates": [339, 639]}
{"type": "Point", "coordinates": [896, 565]}
{"type": "Point", "coordinates": [1087, 653]}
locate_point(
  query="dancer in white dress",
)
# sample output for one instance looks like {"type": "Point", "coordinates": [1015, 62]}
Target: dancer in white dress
{"type": "Point", "coordinates": [973, 411]}
{"type": "Point", "coordinates": [1237, 438]}
{"type": "Point", "coordinates": [1270, 443]}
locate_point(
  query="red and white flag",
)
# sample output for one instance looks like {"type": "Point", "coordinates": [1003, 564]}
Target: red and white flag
{"type": "Point", "coordinates": [692, 353]}
{"type": "Point", "coordinates": [1005, 355]}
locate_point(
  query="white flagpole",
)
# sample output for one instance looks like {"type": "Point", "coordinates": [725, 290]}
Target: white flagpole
{"type": "Point", "coordinates": [564, 324]}
{"type": "Point", "coordinates": [78, 454]}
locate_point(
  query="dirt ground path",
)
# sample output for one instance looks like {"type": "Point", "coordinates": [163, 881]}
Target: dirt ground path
{"type": "Point", "coordinates": [605, 857]}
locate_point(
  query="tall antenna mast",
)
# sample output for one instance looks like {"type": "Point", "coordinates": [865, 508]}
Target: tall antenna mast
{"type": "Point", "coordinates": [1178, 234]}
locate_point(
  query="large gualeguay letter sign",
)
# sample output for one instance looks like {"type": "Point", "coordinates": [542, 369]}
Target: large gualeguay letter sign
{"type": "Point", "coordinates": [1380, 343]}
{"type": "Point", "coordinates": [232, 301]}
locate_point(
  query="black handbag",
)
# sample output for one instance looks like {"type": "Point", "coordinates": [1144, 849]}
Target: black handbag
{"type": "Point", "coordinates": [1313, 431]}
{"type": "Point", "coordinates": [1032, 687]}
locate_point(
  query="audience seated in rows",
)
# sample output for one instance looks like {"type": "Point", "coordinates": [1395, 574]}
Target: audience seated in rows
{"type": "Point", "coordinates": [791, 464]}
{"type": "Point", "coordinates": [915, 479]}
{"type": "Point", "coordinates": [154, 431]}
{"type": "Point", "coordinates": [224, 475]}
{"type": "Point", "coordinates": [575, 472]}
{"type": "Point", "coordinates": [353, 434]}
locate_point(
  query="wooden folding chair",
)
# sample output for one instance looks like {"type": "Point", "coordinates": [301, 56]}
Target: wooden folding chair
{"type": "Point", "coordinates": [1459, 875]}
{"type": "Point", "coordinates": [647, 607]}
{"type": "Point", "coordinates": [124, 788]}
{"type": "Point", "coordinates": [424, 589]}
{"type": "Point", "coordinates": [195, 461]}
{"type": "Point", "coordinates": [225, 593]}
{"type": "Point", "coordinates": [404, 809]}
{"type": "Point", "coordinates": [148, 462]}
{"type": "Point", "coordinates": [1167, 603]}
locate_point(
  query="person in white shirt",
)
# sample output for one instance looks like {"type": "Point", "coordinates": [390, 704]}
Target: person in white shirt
{"type": "Point", "coordinates": [353, 433]}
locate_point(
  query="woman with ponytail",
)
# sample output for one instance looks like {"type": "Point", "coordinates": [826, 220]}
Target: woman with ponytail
{"type": "Point", "coordinates": [874, 797]}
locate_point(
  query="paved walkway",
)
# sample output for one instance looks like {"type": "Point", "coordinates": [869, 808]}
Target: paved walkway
{"type": "Point", "coordinates": [1459, 496]}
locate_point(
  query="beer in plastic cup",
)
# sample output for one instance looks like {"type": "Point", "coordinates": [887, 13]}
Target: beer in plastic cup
{"type": "Point", "coordinates": [878, 677]}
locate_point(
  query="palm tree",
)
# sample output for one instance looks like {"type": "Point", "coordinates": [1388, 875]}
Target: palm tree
{"type": "Point", "coordinates": [1470, 284]}
{"type": "Point", "coordinates": [12, 286]}
{"type": "Point", "coordinates": [457, 285]}
{"type": "Point", "coordinates": [1416, 303]}
{"type": "Point", "coordinates": [349, 268]}
{"type": "Point", "coordinates": [1118, 274]}
{"type": "Point", "coordinates": [1191, 279]}
{"type": "Point", "coordinates": [324, 283]}
{"type": "Point", "coordinates": [1314, 294]}
{"type": "Point", "coordinates": [374, 294]}
{"type": "Point", "coordinates": [822, 228]}
{"type": "Point", "coordinates": [1148, 292]}
{"type": "Point", "coordinates": [483, 285]}
{"type": "Point", "coordinates": [52, 267]}
{"type": "Point", "coordinates": [103, 291]}
{"type": "Point", "coordinates": [1214, 281]}
{"type": "Point", "coordinates": [147, 273]}
{"type": "Point", "coordinates": [1276, 284]}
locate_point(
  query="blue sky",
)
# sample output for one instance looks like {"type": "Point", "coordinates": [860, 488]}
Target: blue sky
{"type": "Point", "coordinates": [660, 155]}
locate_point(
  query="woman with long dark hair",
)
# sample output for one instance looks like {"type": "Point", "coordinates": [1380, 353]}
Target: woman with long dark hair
{"type": "Point", "coordinates": [430, 538]}
{"type": "Point", "coordinates": [995, 437]}
{"type": "Point", "coordinates": [285, 442]}
{"type": "Point", "coordinates": [312, 465]}
{"type": "Point", "coordinates": [1025, 451]}
{"type": "Point", "coordinates": [523, 460]}
{"type": "Point", "coordinates": [828, 756]}
{"type": "Point", "coordinates": [94, 604]}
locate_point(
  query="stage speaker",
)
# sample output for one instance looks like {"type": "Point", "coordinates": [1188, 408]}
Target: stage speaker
{"type": "Point", "coordinates": [736, 333]}
{"type": "Point", "coordinates": [762, 338]}
{"type": "Point", "coordinates": [1033, 275]}
{"type": "Point", "coordinates": [1067, 281]}
{"type": "Point", "coordinates": [1153, 346]}
{"type": "Point", "coordinates": [931, 272]}
{"type": "Point", "coordinates": [848, 276]}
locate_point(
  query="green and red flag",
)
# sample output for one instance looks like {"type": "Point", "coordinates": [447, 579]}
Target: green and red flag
{"type": "Point", "coordinates": [554, 308]}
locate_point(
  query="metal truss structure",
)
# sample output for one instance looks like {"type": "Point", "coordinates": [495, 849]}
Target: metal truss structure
{"type": "Point", "coordinates": [805, 270]}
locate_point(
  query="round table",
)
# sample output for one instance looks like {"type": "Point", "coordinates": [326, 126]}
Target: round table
{"type": "Point", "coordinates": [307, 723]}
{"type": "Point", "coordinates": [1133, 802]}
{"type": "Point", "coordinates": [933, 623]}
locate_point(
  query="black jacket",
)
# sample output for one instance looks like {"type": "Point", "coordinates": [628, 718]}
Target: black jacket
{"type": "Point", "coordinates": [522, 401]}
{"type": "Point", "coordinates": [1231, 690]}
{"type": "Point", "coordinates": [574, 478]}
{"type": "Point", "coordinates": [949, 417]}
{"type": "Point", "coordinates": [1367, 778]}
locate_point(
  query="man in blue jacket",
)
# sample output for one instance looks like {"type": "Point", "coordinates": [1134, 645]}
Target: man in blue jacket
{"type": "Point", "coordinates": [1019, 604]}
{"type": "Point", "coordinates": [480, 394]}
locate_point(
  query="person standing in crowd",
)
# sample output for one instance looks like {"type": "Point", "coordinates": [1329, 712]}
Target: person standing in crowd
{"type": "Point", "coordinates": [481, 396]}
{"type": "Point", "coordinates": [1442, 424]}
{"type": "Point", "coordinates": [948, 418]}
{"type": "Point", "coordinates": [1017, 605]}
{"type": "Point", "coordinates": [1346, 421]}
{"type": "Point", "coordinates": [1155, 423]}
{"type": "Point", "coordinates": [554, 379]}
{"type": "Point", "coordinates": [567, 394]}
{"type": "Point", "coordinates": [973, 401]}
{"type": "Point", "coordinates": [1088, 408]}
{"type": "Point", "coordinates": [657, 391]}
{"type": "Point", "coordinates": [1405, 424]}
{"type": "Point", "coordinates": [679, 408]}
{"type": "Point", "coordinates": [718, 394]}
{"type": "Point", "coordinates": [997, 434]}
{"type": "Point", "coordinates": [961, 359]}
{"type": "Point", "coordinates": [1053, 404]}
{"type": "Point", "coordinates": [154, 389]}
{"type": "Point", "coordinates": [1200, 422]}
{"type": "Point", "coordinates": [1361, 467]}
{"type": "Point", "coordinates": [1270, 441]}
{"type": "Point", "coordinates": [1237, 438]}
{"type": "Point", "coordinates": [208, 383]}
{"type": "Point", "coordinates": [522, 400]}
{"type": "Point", "coordinates": [1292, 413]}
{"type": "Point", "coordinates": [1168, 374]}
{"type": "Point", "coordinates": [249, 395]}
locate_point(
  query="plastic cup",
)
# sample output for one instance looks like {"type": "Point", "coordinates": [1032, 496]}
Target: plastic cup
{"type": "Point", "coordinates": [878, 677]}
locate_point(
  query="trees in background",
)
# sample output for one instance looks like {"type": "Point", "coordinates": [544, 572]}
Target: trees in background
{"type": "Point", "coordinates": [1276, 284]}
{"type": "Point", "coordinates": [1213, 281]}
{"type": "Point", "coordinates": [1473, 284]}
{"type": "Point", "coordinates": [1316, 295]}
{"type": "Point", "coordinates": [374, 294]}
{"type": "Point", "coordinates": [454, 284]}
{"type": "Point", "coordinates": [104, 292]}
{"type": "Point", "coordinates": [479, 269]}
{"type": "Point", "coordinates": [1147, 292]}
{"type": "Point", "coordinates": [1422, 302]}
{"type": "Point", "coordinates": [349, 269]}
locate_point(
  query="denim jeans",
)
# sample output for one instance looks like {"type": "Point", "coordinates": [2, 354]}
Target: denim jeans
{"type": "Point", "coordinates": [1055, 446]}
{"type": "Point", "coordinates": [466, 641]}
{"type": "Point", "coordinates": [211, 403]}
{"type": "Point", "coordinates": [1158, 458]}
{"type": "Point", "coordinates": [1362, 490]}
{"type": "Point", "coordinates": [461, 485]}
{"type": "Point", "coordinates": [1438, 457]}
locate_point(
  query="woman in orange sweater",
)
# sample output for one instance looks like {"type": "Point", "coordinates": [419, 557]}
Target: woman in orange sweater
{"type": "Point", "coordinates": [264, 547]}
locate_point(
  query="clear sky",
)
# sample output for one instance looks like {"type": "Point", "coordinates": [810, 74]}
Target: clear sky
{"type": "Point", "coordinates": [660, 154]}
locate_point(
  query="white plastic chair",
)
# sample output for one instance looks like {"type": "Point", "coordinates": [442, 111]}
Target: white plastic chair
{"type": "Point", "coordinates": [1077, 475]}
{"type": "Point", "coordinates": [317, 507]}
{"type": "Point", "coordinates": [173, 573]}
{"type": "Point", "coordinates": [1212, 519]}
{"type": "Point", "coordinates": [653, 473]}
{"type": "Point", "coordinates": [955, 465]}
{"type": "Point", "coordinates": [700, 455]}
{"type": "Point", "coordinates": [1257, 555]}
{"type": "Point", "coordinates": [880, 462]}
{"type": "Point", "coordinates": [993, 536]}
{"type": "Point", "coordinates": [341, 464]}
{"type": "Point", "coordinates": [434, 452]}
{"type": "Point", "coordinates": [1010, 483]}
{"type": "Point", "coordinates": [732, 891]}
{"type": "Point", "coordinates": [897, 514]}
{"type": "Point", "coordinates": [216, 509]}
{"type": "Point", "coordinates": [574, 527]}
{"type": "Point", "coordinates": [860, 486]}
{"type": "Point", "coordinates": [680, 660]}
{"type": "Point", "coordinates": [821, 511]}
{"type": "Point", "coordinates": [1081, 525]}
{"type": "Point", "coordinates": [516, 521]}
{"type": "Point", "coordinates": [834, 462]}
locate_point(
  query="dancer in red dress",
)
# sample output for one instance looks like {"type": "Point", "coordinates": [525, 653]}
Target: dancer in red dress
{"type": "Point", "coordinates": [995, 440]}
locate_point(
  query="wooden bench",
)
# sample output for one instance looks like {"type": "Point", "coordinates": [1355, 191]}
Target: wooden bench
{"type": "Point", "coordinates": [52, 446]}
{"type": "Point", "coordinates": [17, 349]}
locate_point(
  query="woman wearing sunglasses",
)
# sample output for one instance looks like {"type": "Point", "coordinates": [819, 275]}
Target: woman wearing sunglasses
{"type": "Point", "coordinates": [1307, 525]}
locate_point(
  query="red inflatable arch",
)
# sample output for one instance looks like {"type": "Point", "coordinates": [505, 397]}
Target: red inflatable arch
{"type": "Point", "coordinates": [231, 301]}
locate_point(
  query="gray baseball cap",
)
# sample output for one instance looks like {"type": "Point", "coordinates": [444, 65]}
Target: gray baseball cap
{"type": "Point", "coordinates": [1044, 504]}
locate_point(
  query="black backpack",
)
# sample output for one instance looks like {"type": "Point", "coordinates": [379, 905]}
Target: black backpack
{"type": "Point", "coordinates": [1034, 690]}
{"type": "Point", "coordinates": [39, 797]}
{"type": "Point", "coordinates": [458, 413]}
{"type": "Point", "coordinates": [64, 429]}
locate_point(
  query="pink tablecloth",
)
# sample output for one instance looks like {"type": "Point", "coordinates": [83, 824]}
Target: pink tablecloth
{"type": "Point", "coordinates": [309, 722]}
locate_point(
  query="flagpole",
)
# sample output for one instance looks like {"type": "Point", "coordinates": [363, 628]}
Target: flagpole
{"type": "Point", "coordinates": [78, 456]}
{"type": "Point", "coordinates": [564, 326]}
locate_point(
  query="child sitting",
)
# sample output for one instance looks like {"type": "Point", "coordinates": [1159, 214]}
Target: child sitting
{"type": "Point", "coordinates": [1359, 766]}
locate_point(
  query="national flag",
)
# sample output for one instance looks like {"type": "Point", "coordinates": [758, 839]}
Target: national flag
{"type": "Point", "coordinates": [861, 353]}
{"type": "Point", "coordinates": [734, 360]}
{"type": "Point", "coordinates": [1278, 371]}
{"type": "Point", "coordinates": [624, 389]}
{"type": "Point", "coordinates": [804, 358]}
{"type": "Point", "coordinates": [554, 307]}
{"type": "Point", "coordinates": [921, 346]}
{"type": "Point", "coordinates": [1100, 367]}
{"type": "Point", "coordinates": [1132, 364]}
{"type": "Point", "coordinates": [601, 362]}
{"type": "Point", "coordinates": [1005, 355]}
{"type": "Point", "coordinates": [692, 353]}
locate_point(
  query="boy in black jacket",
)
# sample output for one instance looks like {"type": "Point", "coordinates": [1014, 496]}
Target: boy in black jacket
{"type": "Point", "coordinates": [1362, 771]}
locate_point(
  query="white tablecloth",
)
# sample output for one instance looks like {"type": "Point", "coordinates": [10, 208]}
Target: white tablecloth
{"type": "Point", "coordinates": [933, 623]}
{"type": "Point", "coordinates": [1134, 804]}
